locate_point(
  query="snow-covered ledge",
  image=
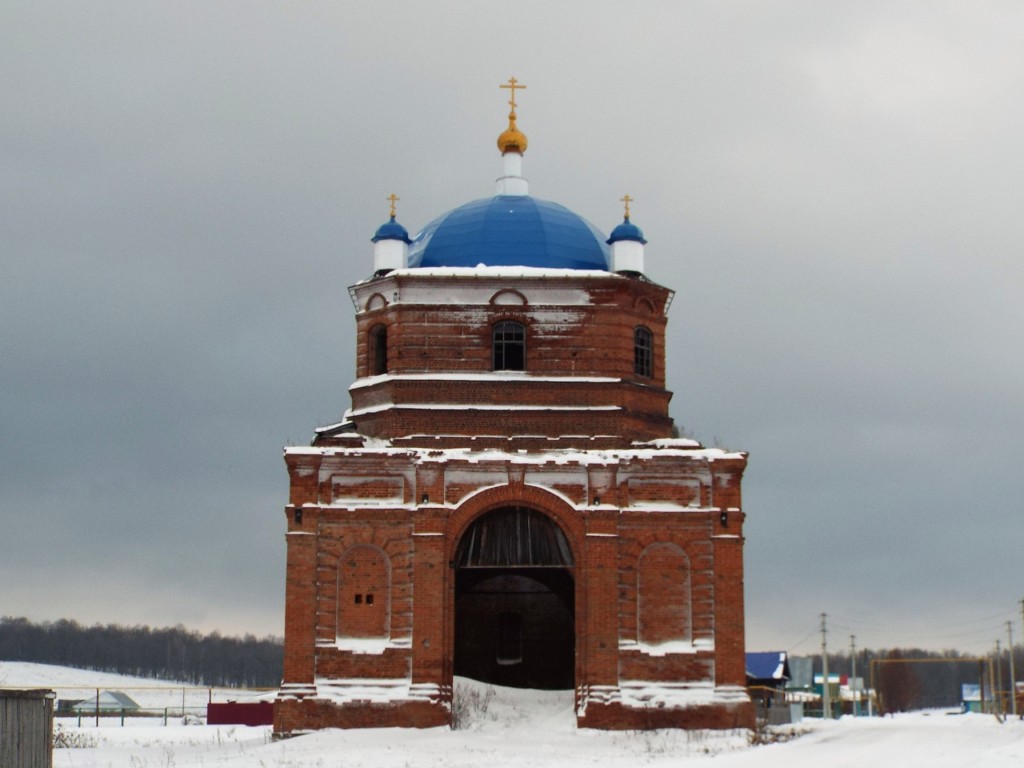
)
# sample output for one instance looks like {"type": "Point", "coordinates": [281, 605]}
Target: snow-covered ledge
{"type": "Point", "coordinates": [366, 645]}
{"type": "Point", "coordinates": [672, 646]}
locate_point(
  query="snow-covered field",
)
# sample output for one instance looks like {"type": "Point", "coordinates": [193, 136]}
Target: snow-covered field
{"type": "Point", "coordinates": [510, 728]}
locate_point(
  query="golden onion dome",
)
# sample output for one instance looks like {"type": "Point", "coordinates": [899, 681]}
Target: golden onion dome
{"type": "Point", "coordinates": [512, 139]}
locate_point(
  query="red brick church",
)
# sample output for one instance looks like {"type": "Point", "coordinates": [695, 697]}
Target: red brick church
{"type": "Point", "coordinates": [505, 499]}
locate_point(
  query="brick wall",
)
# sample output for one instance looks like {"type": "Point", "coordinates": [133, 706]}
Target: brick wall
{"type": "Point", "coordinates": [655, 532]}
{"type": "Point", "coordinates": [575, 328]}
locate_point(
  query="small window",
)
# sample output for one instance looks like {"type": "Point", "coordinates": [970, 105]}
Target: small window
{"type": "Point", "coordinates": [643, 352]}
{"type": "Point", "coordinates": [509, 346]}
{"type": "Point", "coordinates": [359, 599]}
{"type": "Point", "coordinates": [369, 599]}
{"type": "Point", "coordinates": [378, 350]}
{"type": "Point", "coordinates": [510, 639]}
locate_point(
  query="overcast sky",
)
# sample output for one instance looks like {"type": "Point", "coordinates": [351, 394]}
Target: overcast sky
{"type": "Point", "coordinates": [833, 190]}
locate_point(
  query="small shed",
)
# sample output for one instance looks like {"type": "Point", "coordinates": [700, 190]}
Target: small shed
{"type": "Point", "coordinates": [110, 702]}
{"type": "Point", "coordinates": [768, 669]}
{"type": "Point", "coordinates": [26, 728]}
{"type": "Point", "coordinates": [767, 676]}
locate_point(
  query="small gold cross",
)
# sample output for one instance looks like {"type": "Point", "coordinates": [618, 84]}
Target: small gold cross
{"type": "Point", "coordinates": [512, 85]}
{"type": "Point", "coordinates": [627, 200]}
{"type": "Point", "coordinates": [394, 199]}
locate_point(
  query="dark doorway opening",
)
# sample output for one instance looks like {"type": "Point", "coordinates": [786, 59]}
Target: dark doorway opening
{"type": "Point", "coordinates": [515, 602]}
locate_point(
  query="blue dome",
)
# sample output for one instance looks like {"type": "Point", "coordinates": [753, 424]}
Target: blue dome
{"type": "Point", "coordinates": [510, 231]}
{"type": "Point", "coordinates": [626, 231]}
{"type": "Point", "coordinates": [391, 230]}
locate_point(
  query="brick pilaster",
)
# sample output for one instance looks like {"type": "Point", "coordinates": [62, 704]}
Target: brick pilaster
{"type": "Point", "coordinates": [602, 617]}
{"type": "Point", "coordinates": [300, 600]}
{"type": "Point", "coordinates": [430, 580]}
{"type": "Point", "coordinates": [730, 646]}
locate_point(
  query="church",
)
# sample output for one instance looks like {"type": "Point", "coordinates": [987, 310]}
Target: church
{"type": "Point", "coordinates": [505, 500]}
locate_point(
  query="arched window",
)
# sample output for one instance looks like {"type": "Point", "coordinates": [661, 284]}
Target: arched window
{"type": "Point", "coordinates": [509, 346]}
{"type": "Point", "coordinates": [643, 352]}
{"type": "Point", "coordinates": [378, 350]}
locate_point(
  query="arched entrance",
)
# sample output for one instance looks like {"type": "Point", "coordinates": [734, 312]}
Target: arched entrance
{"type": "Point", "coordinates": [514, 601]}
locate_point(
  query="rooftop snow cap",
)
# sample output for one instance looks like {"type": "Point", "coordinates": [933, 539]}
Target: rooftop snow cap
{"type": "Point", "coordinates": [510, 231]}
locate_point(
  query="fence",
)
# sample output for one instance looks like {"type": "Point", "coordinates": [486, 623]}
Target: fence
{"type": "Point", "coordinates": [83, 706]}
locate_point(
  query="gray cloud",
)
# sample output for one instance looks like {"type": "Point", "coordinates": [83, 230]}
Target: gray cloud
{"type": "Point", "coordinates": [188, 191]}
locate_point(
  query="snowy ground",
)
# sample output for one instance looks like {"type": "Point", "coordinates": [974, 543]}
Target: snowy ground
{"type": "Point", "coordinates": [509, 728]}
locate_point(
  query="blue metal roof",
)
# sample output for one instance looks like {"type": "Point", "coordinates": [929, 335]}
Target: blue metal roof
{"type": "Point", "coordinates": [627, 230]}
{"type": "Point", "coordinates": [768, 665]}
{"type": "Point", "coordinates": [391, 230]}
{"type": "Point", "coordinates": [510, 231]}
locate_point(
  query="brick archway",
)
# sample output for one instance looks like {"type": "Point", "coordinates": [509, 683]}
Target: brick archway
{"type": "Point", "coordinates": [499, 610]}
{"type": "Point", "coordinates": [540, 499]}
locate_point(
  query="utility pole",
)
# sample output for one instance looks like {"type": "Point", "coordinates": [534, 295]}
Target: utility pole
{"type": "Point", "coordinates": [826, 699]}
{"type": "Point", "coordinates": [853, 675]}
{"type": "Point", "coordinates": [1013, 676]}
{"type": "Point", "coordinates": [981, 684]}
{"type": "Point", "coordinates": [999, 680]}
{"type": "Point", "coordinates": [1011, 647]}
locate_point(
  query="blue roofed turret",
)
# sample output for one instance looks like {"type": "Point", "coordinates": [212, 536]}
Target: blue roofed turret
{"type": "Point", "coordinates": [390, 244]}
{"type": "Point", "coordinates": [627, 242]}
{"type": "Point", "coordinates": [627, 230]}
{"type": "Point", "coordinates": [391, 230]}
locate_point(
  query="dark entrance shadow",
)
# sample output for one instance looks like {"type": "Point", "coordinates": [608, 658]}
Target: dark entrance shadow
{"type": "Point", "coordinates": [515, 602]}
{"type": "Point", "coordinates": [514, 626]}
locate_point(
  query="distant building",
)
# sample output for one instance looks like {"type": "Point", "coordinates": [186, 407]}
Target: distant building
{"type": "Point", "coordinates": [505, 499]}
{"type": "Point", "coordinates": [801, 671]}
{"type": "Point", "coordinates": [767, 675]}
{"type": "Point", "coordinates": [768, 669]}
{"type": "Point", "coordinates": [970, 698]}
{"type": "Point", "coordinates": [107, 701]}
{"type": "Point", "coordinates": [835, 684]}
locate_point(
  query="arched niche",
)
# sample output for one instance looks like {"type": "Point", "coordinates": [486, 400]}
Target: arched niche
{"type": "Point", "coordinates": [364, 593]}
{"type": "Point", "coordinates": [508, 297]}
{"type": "Point", "coordinates": [664, 612]}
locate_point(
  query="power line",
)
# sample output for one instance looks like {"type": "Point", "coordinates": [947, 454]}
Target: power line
{"type": "Point", "coordinates": [803, 639]}
{"type": "Point", "coordinates": [992, 620]}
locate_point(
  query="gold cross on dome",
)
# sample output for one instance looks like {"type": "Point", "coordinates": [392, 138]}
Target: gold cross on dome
{"type": "Point", "coordinates": [627, 200]}
{"type": "Point", "coordinates": [394, 199]}
{"type": "Point", "coordinates": [512, 85]}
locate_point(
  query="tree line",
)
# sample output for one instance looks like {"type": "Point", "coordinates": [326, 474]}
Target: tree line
{"type": "Point", "coordinates": [170, 653]}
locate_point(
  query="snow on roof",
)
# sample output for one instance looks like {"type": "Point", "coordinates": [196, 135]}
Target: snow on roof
{"type": "Point", "coordinates": [767, 665]}
{"type": "Point", "coordinates": [673, 449]}
{"type": "Point", "coordinates": [672, 442]}
{"type": "Point", "coordinates": [500, 272]}
{"type": "Point", "coordinates": [474, 407]}
{"type": "Point", "coordinates": [370, 381]}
